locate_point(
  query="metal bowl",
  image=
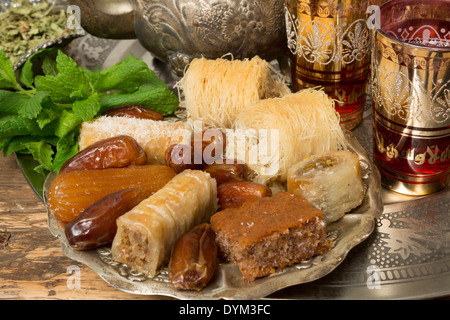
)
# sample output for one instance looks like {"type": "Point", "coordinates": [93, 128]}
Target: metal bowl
{"type": "Point", "coordinates": [176, 31]}
{"type": "Point", "coordinates": [60, 41]}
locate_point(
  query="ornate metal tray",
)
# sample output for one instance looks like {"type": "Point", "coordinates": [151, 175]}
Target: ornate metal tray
{"type": "Point", "coordinates": [392, 247]}
{"type": "Point", "coordinates": [346, 233]}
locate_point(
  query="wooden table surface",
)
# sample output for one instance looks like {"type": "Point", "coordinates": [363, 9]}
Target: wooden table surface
{"type": "Point", "coordinates": [32, 265]}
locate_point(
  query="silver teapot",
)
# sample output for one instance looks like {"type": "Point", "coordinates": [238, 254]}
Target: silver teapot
{"type": "Point", "coordinates": [176, 31]}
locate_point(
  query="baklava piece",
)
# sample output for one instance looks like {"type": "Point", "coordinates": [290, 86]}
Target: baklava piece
{"type": "Point", "coordinates": [330, 181]}
{"type": "Point", "coordinates": [269, 234]}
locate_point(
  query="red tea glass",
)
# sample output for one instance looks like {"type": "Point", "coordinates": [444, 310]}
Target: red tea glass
{"type": "Point", "coordinates": [329, 44]}
{"type": "Point", "coordinates": [411, 95]}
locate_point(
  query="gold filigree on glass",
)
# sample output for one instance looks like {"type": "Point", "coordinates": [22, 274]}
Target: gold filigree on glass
{"type": "Point", "coordinates": [329, 44]}
{"type": "Point", "coordinates": [411, 95]}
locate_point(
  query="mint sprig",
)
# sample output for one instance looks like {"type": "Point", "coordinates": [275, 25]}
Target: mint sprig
{"type": "Point", "coordinates": [41, 111]}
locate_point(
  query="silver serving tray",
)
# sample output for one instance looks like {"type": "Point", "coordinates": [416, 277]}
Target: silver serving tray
{"type": "Point", "coordinates": [227, 283]}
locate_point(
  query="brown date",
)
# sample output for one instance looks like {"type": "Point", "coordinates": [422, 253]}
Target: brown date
{"type": "Point", "coordinates": [234, 193]}
{"type": "Point", "coordinates": [194, 259]}
{"type": "Point", "coordinates": [226, 172]}
{"type": "Point", "coordinates": [134, 111]}
{"type": "Point", "coordinates": [206, 148]}
{"type": "Point", "coordinates": [211, 143]}
{"type": "Point", "coordinates": [116, 152]}
{"type": "Point", "coordinates": [96, 226]}
{"type": "Point", "coordinates": [181, 157]}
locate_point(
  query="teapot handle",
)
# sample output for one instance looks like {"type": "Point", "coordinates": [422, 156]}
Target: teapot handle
{"type": "Point", "coordinates": [111, 19]}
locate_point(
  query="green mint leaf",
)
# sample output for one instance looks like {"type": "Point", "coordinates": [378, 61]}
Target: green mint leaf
{"type": "Point", "coordinates": [12, 125]}
{"type": "Point", "coordinates": [93, 74]}
{"type": "Point", "coordinates": [66, 148]}
{"type": "Point", "coordinates": [53, 87]}
{"type": "Point", "coordinates": [11, 102]}
{"type": "Point", "coordinates": [41, 152]}
{"type": "Point", "coordinates": [70, 84]}
{"type": "Point", "coordinates": [66, 123]}
{"type": "Point", "coordinates": [125, 76]}
{"type": "Point", "coordinates": [43, 59]}
{"type": "Point", "coordinates": [7, 76]}
{"type": "Point", "coordinates": [154, 82]}
{"type": "Point", "coordinates": [26, 74]}
{"type": "Point", "coordinates": [47, 115]}
{"type": "Point", "coordinates": [88, 108]}
{"type": "Point", "coordinates": [70, 74]}
{"type": "Point", "coordinates": [41, 170]}
{"type": "Point", "coordinates": [4, 142]}
{"type": "Point", "coordinates": [49, 66]}
{"type": "Point", "coordinates": [158, 98]}
{"type": "Point", "coordinates": [32, 106]}
{"type": "Point", "coordinates": [77, 95]}
{"type": "Point", "coordinates": [19, 144]}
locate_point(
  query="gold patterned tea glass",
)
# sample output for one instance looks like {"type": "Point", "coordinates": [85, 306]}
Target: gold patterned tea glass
{"type": "Point", "coordinates": [329, 44]}
{"type": "Point", "coordinates": [411, 95]}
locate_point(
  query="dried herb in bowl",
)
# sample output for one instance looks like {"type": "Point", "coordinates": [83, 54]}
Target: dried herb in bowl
{"type": "Point", "coordinates": [24, 26]}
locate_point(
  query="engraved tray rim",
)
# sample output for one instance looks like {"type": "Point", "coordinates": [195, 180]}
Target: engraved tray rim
{"type": "Point", "coordinates": [351, 230]}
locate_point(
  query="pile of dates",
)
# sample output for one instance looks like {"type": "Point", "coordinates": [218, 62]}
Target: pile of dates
{"type": "Point", "coordinates": [110, 177]}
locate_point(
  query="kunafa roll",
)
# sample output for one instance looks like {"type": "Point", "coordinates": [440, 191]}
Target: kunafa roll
{"type": "Point", "coordinates": [215, 90]}
{"type": "Point", "coordinates": [279, 132]}
{"type": "Point", "coordinates": [146, 234]}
